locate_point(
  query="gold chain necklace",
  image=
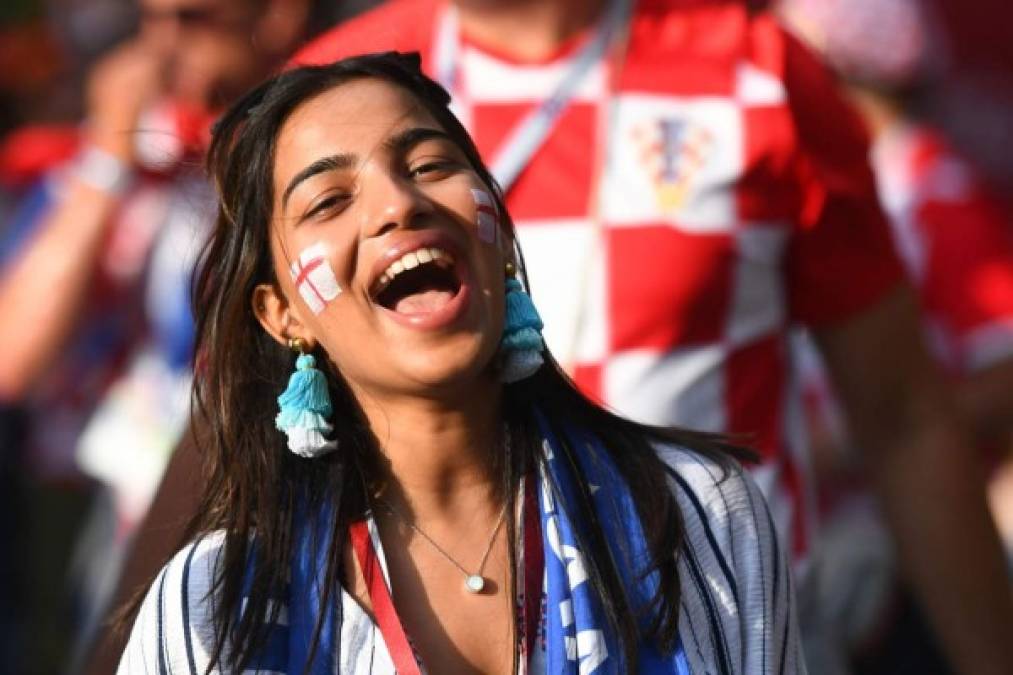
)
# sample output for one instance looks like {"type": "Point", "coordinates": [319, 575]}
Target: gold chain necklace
{"type": "Point", "coordinates": [474, 583]}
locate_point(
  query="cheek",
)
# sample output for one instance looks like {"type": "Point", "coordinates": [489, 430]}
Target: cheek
{"type": "Point", "coordinates": [313, 277]}
{"type": "Point", "coordinates": [486, 216]}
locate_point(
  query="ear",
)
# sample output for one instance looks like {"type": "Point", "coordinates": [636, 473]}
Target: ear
{"type": "Point", "coordinates": [281, 25]}
{"type": "Point", "coordinates": [274, 313]}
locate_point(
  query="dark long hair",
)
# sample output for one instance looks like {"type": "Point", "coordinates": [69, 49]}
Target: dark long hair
{"type": "Point", "coordinates": [254, 484]}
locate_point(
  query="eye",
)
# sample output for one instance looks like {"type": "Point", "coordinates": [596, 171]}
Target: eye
{"type": "Point", "coordinates": [326, 204]}
{"type": "Point", "coordinates": [432, 168]}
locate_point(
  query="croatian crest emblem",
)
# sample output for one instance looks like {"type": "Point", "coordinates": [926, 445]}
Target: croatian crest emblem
{"type": "Point", "coordinates": [672, 151]}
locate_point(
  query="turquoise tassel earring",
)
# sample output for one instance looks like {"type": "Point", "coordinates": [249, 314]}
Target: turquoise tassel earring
{"type": "Point", "coordinates": [305, 406]}
{"type": "Point", "coordinates": [521, 346]}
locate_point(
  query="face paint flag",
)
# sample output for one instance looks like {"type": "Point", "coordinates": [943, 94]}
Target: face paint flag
{"type": "Point", "coordinates": [487, 218]}
{"type": "Point", "coordinates": [314, 278]}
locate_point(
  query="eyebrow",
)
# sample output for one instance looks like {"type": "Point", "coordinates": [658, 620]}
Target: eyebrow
{"type": "Point", "coordinates": [399, 143]}
{"type": "Point", "coordinates": [404, 141]}
{"type": "Point", "coordinates": [329, 163]}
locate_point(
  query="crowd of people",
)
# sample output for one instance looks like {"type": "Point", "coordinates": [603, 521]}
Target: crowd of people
{"type": "Point", "coordinates": [732, 218]}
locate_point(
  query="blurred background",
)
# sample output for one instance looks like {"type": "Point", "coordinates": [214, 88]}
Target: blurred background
{"type": "Point", "coordinates": [95, 396]}
{"type": "Point", "coordinates": [91, 406]}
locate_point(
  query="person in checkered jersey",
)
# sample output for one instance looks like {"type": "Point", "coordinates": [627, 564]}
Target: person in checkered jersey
{"type": "Point", "coordinates": [703, 188]}
{"type": "Point", "coordinates": [689, 191]}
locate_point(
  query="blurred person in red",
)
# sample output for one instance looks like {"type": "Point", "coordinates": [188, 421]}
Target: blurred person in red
{"type": "Point", "coordinates": [687, 182]}
{"type": "Point", "coordinates": [41, 495]}
{"type": "Point", "coordinates": [104, 267]}
{"type": "Point", "coordinates": [957, 247]}
{"type": "Point", "coordinates": [94, 291]}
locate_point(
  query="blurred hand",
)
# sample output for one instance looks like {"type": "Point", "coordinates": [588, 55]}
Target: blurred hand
{"type": "Point", "coordinates": [212, 69]}
{"type": "Point", "coordinates": [118, 89]}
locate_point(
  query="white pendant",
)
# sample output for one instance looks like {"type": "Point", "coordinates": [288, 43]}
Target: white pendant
{"type": "Point", "coordinates": [474, 583]}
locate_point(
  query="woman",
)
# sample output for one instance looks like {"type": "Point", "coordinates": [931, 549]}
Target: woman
{"type": "Point", "coordinates": [447, 501]}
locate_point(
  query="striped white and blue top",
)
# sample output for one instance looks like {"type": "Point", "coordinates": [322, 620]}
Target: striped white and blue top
{"type": "Point", "coordinates": [737, 614]}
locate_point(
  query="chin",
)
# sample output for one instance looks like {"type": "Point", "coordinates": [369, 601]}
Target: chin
{"type": "Point", "coordinates": [454, 366]}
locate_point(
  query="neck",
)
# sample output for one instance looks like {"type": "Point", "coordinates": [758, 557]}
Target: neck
{"type": "Point", "coordinates": [440, 455]}
{"type": "Point", "coordinates": [526, 29]}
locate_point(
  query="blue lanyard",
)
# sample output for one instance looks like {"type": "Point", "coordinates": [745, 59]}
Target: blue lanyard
{"type": "Point", "coordinates": [530, 133]}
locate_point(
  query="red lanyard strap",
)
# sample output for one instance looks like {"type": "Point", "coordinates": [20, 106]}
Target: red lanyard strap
{"type": "Point", "coordinates": [534, 568]}
{"type": "Point", "coordinates": [393, 632]}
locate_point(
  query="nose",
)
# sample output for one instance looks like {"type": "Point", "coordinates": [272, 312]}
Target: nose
{"type": "Point", "coordinates": [390, 201]}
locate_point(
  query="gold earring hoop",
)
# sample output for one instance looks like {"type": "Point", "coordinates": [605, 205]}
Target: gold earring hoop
{"type": "Point", "coordinates": [510, 269]}
{"type": "Point", "coordinates": [297, 344]}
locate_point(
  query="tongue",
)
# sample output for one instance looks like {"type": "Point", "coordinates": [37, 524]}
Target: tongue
{"type": "Point", "coordinates": [423, 302]}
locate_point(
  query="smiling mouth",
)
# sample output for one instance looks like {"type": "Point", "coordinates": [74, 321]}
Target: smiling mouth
{"type": "Point", "coordinates": [420, 282]}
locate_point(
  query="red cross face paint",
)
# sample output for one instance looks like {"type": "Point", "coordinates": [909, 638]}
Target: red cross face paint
{"type": "Point", "coordinates": [314, 278]}
{"type": "Point", "coordinates": [488, 221]}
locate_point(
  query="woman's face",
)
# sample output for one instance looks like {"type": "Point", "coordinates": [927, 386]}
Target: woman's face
{"type": "Point", "coordinates": [386, 244]}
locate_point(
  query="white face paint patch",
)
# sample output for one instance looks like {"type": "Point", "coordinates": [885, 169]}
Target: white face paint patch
{"type": "Point", "coordinates": [314, 278]}
{"type": "Point", "coordinates": [488, 220]}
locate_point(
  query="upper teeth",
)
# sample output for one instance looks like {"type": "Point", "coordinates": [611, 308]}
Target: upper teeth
{"type": "Point", "coordinates": [412, 260]}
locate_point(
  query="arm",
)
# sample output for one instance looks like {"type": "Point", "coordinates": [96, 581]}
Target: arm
{"type": "Point", "coordinates": [45, 286]}
{"type": "Point", "coordinates": [928, 478]}
{"type": "Point", "coordinates": [985, 400]}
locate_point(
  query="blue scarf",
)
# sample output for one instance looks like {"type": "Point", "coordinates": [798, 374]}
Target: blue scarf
{"type": "Point", "coordinates": [577, 636]}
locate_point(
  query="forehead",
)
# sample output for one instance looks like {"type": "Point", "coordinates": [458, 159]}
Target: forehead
{"type": "Point", "coordinates": [354, 118]}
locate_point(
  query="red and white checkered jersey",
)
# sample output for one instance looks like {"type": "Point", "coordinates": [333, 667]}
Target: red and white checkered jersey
{"type": "Point", "coordinates": [697, 195]}
{"type": "Point", "coordinates": [957, 245]}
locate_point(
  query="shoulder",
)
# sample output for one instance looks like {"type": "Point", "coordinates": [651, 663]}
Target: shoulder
{"type": "Point", "coordinates": [402, 25]}
{"type": "Point", "coordinates": [827, 124]}
{"type": "Point", "coordinates": [737, 604]}
{"type": "Point", "coordinates": [727, 523]}
{"type": "Point", "coordinates": [174, 628]}
{"type": "Point", "coordinates": [717, 493]}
